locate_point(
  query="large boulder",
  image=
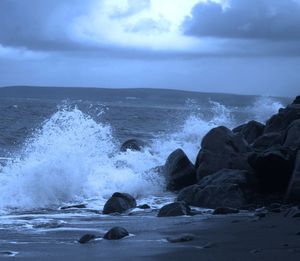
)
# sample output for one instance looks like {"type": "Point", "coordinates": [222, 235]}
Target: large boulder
{"type": "Point", "coordinates": [280, 121]}
{"type": "Point", "coordinates": [293, 192]}
{"type": "Point", "coordinates": [174, 209]}
{"type": "Point", "coordinates": [221, 148]}
{"type": "Point", "coordinates": [116, 233]}
{"type": "Point", "coordinates": [119, 203]}
{"type": "Point", "coordinates": [267, 141]}
{"type": "Point", "coordinates": [179, 171]}
{"type": "Point", "coordinates": [250, 131]}
{"type": "Point", "coordinates": [133, 144]}
{"type": "Point", "coordinates": [273, 169]}
{"type": "Point", "coordinates": [292, 137]}
{"type": "Point", "coordinates": [226, 188]}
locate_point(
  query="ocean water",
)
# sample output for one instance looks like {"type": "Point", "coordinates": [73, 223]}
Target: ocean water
{"type": "Point", "coordinates": [58, 150]}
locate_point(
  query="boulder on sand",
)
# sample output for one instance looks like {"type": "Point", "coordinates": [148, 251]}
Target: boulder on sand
{"type": "Point", "coordinates": [174, 209]}
{"type": "Point", "coordinates": [179, 171]}
{"type": "Point", "coordinates": [119, 203]}
{"type": "Point", "coordinates": [86, 238]}
{"type": "Point", "coordinates": [116, 233]}
{"type": "Point", "coordinates": [221, 149]}
{"type": "Point", "coordinates": [226, 188]}
{"type": "Point", "coordinates": [273, 169]}
{"type": "Point", "coordinates": [133, 144]}
{"type": "Point", "coordinates": [225, 211]}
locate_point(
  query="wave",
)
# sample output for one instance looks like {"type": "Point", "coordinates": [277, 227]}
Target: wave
{"type": "Point", "coordinates": [72, 158]}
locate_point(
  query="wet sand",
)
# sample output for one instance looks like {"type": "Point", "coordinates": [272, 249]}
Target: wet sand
{"type": "Point", "coordinates": [235, 237]}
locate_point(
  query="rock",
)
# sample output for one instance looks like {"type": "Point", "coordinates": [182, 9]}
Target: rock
{"type": "Point", "coordinates": [225, 211]}
{"type": "Point", "coordinates": [280, 121]}
{"type": "Point", "coordinates": [297, 100]}
{"type": "Point", "coordinates": [292, 212]}
{"type": "Point", "coordinates": [268, 141]}
{"type": "Point", "coordinates": [174, 209]}
{"type": "Point", "coordinates": [144, 206]}
{"type": "Point", "coordinates": [181, 238]}
{"type": "Point", "coordinates": [179, 171]}
{"type": "Point", "coordinates": [260, 214]}
{"type": "Point", "coordinates": [119, 203]}
{"type": "Point", "coordinates": [250, 131]}
{"type": "Point", "coordinates": [292, 137]}
{"type": "Point", "coordinates": [133, 144]}
{"type": "Point", "coordinates": [116, 233]}
{"type": "Point", "coordinates": [73, 206]}
{"type": "Point", "coordinates": [226, 188]}
{"type": "Point", "coordinates": [273, 168]}
{"type": "Point", "coordinates": [221, 148]}
{"type": "Point", "coordinates": [293, 192]}
{"type": "Point", "coordinates": [86, 238]}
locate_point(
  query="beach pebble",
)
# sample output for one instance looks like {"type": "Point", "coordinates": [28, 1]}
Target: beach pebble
{"type": "Point", "coordinates": [224, 211]}
{"type": "Point", "coordinates": [116, 233]}
{"type": "Point", "coordinates": [181, 238]}
{"type": "Point", "coordinates": [86, 238]}
{"type": "Point", "coordinates": [174, 209]}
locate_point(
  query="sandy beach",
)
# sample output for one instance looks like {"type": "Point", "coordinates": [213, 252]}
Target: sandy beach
{"type": "Point", "coordinates": [236, 237]}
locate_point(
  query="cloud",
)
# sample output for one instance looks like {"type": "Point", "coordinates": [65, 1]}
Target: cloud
{"type": "Point", "coordinates": [275, 20]}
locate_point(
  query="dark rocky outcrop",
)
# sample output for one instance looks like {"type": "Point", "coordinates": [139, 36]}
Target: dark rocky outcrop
{"type": "Point", "coordinates": [133, 144]}
{"type": "Point", "coordinates": [273, 169]}
{"type": "Point", "coordinates": [280, 121]}
{"type": "Point", "coordinates": [119, 203]}
{"type": "Point", "coordinates": [179, 171]}
{"type": "Point", "coordinates": [225, 211]}
{"type": "Point", "coordinates": [116, 233]}
{"type": "Point", "coordinates": [174, 209]}
{"type": "Point", "coordinates": [250, 131]}
{"type": "Point", "coordinates": [221, 148]}
{"type": "Point", "coordinates": [86, 238]}
{"type": "Point", "coordinates": [226, 188]}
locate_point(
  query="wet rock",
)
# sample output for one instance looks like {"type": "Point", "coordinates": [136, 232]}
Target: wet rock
{"type": "Point", "coordinates": [73, 206]}
{"type": "Point", "coordinates": [144, 206]}
{"type": "Point", "coordinates": [86, 238]}
{"type": "Point", "coordinates": [221, 148]}
{"type": "Point", "coordinates": [133, 144]}
{"type": "Point", "coordinates": [119, 203]}
{"type": "Point", "coordinates": [116, 233]}
{"type": "Point", "coordinates": [250, 131]}
{"type": "Point", "coordinates": [179, 171]}
{"type": "Point", "coordinates": [292, 139]}
{"type": "Point", "coordinates": [273, 168]}
{"type": "Point", "coordinates": [174, 209]}
{"type": "Point", "coordinates": [225, 211]}
{"type": "Point", "coordinates": [293, 212]}
{"type": "Point", "coordinates": [226, 188]}
{"type": "Point", "coordinates": [181, 238]}
{"type": "Point", "coordinates": [293, 192]}
{"type": "Point", "coordinates": [268, 141]}
{"type": "Point", "coordinates": [280, 121]}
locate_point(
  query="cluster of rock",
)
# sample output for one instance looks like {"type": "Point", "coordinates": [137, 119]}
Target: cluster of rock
{"type": "Point", "coordinates": [251, 164]}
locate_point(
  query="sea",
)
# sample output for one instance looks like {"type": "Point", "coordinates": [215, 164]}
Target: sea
{"type": "Point", "coordinates": [61, 146]}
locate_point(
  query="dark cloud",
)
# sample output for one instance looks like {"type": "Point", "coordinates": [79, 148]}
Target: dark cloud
{"type": "Point", "coordinates": [246, 19]}
{"type": "Point", "coordinates": [38, 25]}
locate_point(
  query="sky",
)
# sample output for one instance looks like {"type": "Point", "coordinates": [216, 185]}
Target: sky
{"type": "Point", "coordinates": [229, 46]}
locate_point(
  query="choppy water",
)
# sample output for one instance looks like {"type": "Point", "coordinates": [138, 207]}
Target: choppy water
{"type": "Point", "coordinates": [58, 152]}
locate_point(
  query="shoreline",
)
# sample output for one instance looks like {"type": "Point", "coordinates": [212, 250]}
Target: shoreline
{"type": "Point", "coordinates": [232, 237]}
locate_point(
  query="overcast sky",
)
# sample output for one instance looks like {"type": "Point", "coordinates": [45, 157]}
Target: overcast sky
{"type": "Point", "coordinates": [236, 46]}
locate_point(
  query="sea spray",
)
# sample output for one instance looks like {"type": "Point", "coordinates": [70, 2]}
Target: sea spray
{"type": "Point", "coordinates": [73, 158]}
